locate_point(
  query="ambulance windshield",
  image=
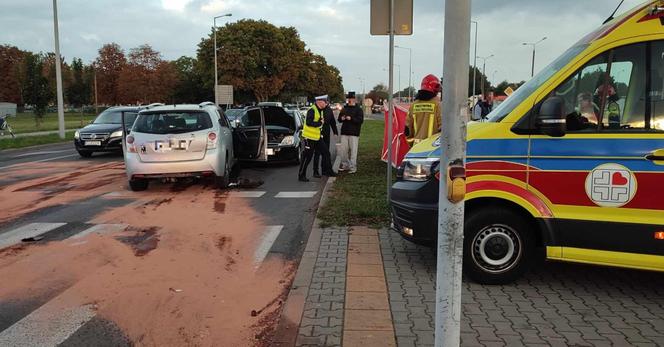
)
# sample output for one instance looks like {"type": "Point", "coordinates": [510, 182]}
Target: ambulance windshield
{"type": "Point", "coordinates": [514, 100]}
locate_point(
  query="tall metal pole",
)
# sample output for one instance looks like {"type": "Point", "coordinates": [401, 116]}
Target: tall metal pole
{"type": "Point", "coordinates": [399, 81]}
{"type": "Point", "coordinates": [390, 104]}
{"type": "Point", "coordinates": [474, 62]}
{"type": "Point", "coordinates": [484, 59]}
{"type": "Point", "coordinates": [532, 66]}
{"type": "Point", "coordinates": [216, 78]}
{"type": "Point", "coordinates": [58, 73]}
{"type": "Point", "coordinates": [96, 103]}
{"type": "Point", "coordinates": [410, 71]}
{"type": "Point", "coordinates": [453, 154]}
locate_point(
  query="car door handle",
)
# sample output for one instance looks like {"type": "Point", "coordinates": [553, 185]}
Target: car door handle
{"type": "Point", "coordinates": [657, 155]}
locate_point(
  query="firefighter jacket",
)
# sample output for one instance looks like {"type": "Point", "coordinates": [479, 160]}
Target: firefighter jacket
{"type": "Point", "coordinates": [423, 120]}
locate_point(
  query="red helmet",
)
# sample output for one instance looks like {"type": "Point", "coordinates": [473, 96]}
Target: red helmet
{"type": "Point", "coordinates": [430, 83]}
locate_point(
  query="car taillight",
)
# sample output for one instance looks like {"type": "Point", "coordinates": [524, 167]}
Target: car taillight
{"type": "Point", "coordinates": [212, 141]}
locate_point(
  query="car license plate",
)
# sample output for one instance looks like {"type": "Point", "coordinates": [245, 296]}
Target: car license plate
{"type": "Point", "coordinates": [93, 143]}
{"type": "Point", "coordinates": [270, 151]}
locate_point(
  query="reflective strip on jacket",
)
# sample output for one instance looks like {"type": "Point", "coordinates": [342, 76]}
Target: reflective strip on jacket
{"type": "Point", "coordinates": [309, 132]}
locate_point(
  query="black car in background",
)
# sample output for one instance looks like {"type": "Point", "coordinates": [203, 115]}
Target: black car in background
{"type": "Point", "coordinates": [104, 134]}
{"type": "Point", "coordinates": [283, 129]}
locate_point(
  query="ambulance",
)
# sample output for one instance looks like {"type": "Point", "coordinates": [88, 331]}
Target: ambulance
{"type": "Point", "coordinates": [570, 167]}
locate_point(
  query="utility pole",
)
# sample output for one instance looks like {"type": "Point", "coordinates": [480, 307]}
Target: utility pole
{"type": "Point", "coordinates": [452, 164]}
{"type": "Point", "coordinates": [390, 103]}
{"type": "Point", "coordinates": [58, 73]}
{"type": "Point", "coordinates": [532, 66]}
{"type": "Point", "coordinates": [474, 63]}
{"type": "Point", "coordinates": [410, 72]}
{"type": "Point", "coordinates": [94, 67]}
{"type": "Point", "coordinates": [216, 79]}
{"type": "Point", "coordinates": [484, 59]}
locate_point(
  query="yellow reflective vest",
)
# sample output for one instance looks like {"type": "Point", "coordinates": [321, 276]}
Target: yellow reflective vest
{"type": "Point", "coordinates": [423, 120]}
{"type": "Point", "coordinates": [309, 132]}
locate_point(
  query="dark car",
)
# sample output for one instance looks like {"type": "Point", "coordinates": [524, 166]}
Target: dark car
{"type": "Point", "coordinates": [282, 128]}
{"type": "Point", "coordinates": [233, 115]}
{"type": "Point", "coordinates": [104, 134]}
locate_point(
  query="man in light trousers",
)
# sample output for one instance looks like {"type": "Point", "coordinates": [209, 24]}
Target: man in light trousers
{"type": "Point", "coordinates": [351, 118]}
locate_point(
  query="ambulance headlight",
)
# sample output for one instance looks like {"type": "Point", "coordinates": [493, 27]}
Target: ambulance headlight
{"type": "Point", "coordinates": [419, 170]}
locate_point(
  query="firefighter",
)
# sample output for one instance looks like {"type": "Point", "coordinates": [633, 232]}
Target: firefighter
{"type": "Point", "coordinates": [312, 139]}
{"type": "Point", "coordinates": [424, 115]}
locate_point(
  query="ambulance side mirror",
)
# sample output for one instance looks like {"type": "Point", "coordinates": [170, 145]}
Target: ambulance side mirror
{"type": "Point", "coordinates": [551, 119]}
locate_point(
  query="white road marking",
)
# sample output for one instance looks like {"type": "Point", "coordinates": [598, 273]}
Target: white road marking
{"type": "Point", "coordinates": [296, 194]}
{"type": "Point", "coordinates": [269, 236]}
{"type": "Point", "coordinates": [41, 152]}
{"type": "Point", "coordinates": [100, 229]}
{"type": "Point", "coordinates": [246, 194]}
{"type": "Point", "coordinates": [49, 325]}
{"type": "Point", "coordinates": [30, 230]}
{"type": "Point", "coordinates": [40, 161]}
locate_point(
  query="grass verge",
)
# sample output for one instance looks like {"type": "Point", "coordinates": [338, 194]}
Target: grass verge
{"type": "Point", "coordinates": [25, 122]}
{"type": "Point", "coordinates": [27, 141]}
{"type": "Point", "coordinates": [360, 198]}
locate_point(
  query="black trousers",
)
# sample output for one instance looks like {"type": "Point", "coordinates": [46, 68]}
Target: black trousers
{"type": "Point", "coordinates": [319, 154]}
{"type": "Point", "coordinates": [315, 147]}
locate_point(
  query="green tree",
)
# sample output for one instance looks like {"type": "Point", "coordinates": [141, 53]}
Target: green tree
{"type": "Point", "coordinates": [378, 93]}
{"type": "Point", "coordinates": [263, 61]}
{"type": "Point", "coordinates": [479, 78]}
{"type": "Point", "coordinates": [189, 86]}
{"type": "Point", "coordinates": [36, 91]}
{"type": "Point", "coordinates": [78, 92]}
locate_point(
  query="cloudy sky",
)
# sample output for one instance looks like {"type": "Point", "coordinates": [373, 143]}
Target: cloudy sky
{"type": "Point", "coordinates": [337, 29]}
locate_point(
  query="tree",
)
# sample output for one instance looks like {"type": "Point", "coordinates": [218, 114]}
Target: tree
{"type": "Point", "coordinates": [108, 66]}
{"type": "Point", "coordinates": [263, 61]}
{"type": "Point", "coordinates": [146, 78]}
{"type": "Point", "coordinates": [36, 91]}
{"type": "Point", "coordinates": [405, 92]}
{"type": "Point", "coordinates": [11, 59]}
{"type": "Point", "coordinates": [78, 92]}
{"type": "Point", "coordinates": [189, 86]}
{"type": "Point", "coordinates": [378, 93]}
{"type": "Point", "coordinates": [479, 78]}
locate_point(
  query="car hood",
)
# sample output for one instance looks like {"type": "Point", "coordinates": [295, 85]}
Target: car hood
{"type": "Point", "coordinates": [101, 128]}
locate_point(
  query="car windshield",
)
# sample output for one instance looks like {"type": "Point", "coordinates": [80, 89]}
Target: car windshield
{"type": "Point", "coordinates": [514, 100]}
{"type": "Point", "coordinates": [233, 113]}
{"type": "Point", "coordinates": [172, 122]}
{"type": "Point", "coordinates": [115, 117]}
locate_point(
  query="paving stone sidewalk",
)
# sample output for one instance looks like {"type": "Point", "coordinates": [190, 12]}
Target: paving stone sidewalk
{"type": "Point", "coordinates": [557, 304]}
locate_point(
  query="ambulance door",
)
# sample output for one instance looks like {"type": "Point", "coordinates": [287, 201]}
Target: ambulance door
{"type": "Point", "coordinates": [604, 176]}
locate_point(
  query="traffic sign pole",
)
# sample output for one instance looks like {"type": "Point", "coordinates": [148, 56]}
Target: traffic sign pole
{"type": "Point", "coordinates": [453, 156]}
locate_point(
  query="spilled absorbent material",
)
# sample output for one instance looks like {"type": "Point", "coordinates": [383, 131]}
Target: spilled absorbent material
{"type": "Point", "coordinates": [143, 241]}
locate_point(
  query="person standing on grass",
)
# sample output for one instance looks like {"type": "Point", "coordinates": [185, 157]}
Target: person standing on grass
{"type": "Point", "coordinates": [351, 118]}
{"type": "Point", "coordinates": [328, 124]}
{"type": "Point", "coordinates": [311, 133]}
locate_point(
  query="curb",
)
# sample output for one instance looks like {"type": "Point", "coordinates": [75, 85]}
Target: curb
{"type": "Point", "coordinates": [291, 315]}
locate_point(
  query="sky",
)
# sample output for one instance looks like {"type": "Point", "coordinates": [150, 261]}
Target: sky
{"type": "Point", "coordinates": [336, 29]}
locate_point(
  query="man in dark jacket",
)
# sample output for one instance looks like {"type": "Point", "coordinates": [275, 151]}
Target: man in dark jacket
{"type": "Point", "coordinates": [351, 117]}
{"type": "Point", "coordinates": [328, 124]}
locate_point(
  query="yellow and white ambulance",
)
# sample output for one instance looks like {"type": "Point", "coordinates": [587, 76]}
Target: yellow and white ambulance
{"type": "Point", "coordinates": [571, 164]}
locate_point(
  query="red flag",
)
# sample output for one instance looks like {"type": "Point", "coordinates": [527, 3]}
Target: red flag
{"type": "Point", "coordinates": [397, 139]}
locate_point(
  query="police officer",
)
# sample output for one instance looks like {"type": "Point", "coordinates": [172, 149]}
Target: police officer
{"type": "Point", "coordinates": [329, 124]}
{"type": "Point", "coordinates": [424, 115]}
{"type": "Point", "coordinates": [312, 139]}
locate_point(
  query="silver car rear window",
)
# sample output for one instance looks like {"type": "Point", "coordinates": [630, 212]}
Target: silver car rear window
{"type": "Point", "coordinates": [172, 122]}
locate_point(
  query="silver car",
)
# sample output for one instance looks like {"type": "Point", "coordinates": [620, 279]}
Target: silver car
{"type": "Point", "coordinates": [179, 141]}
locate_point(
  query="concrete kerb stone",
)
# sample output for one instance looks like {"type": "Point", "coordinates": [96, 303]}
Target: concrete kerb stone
{"type": "Point", "coordinates": [291, 316]}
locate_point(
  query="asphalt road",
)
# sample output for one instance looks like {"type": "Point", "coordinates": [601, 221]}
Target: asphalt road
{"type": "Point", "coordinates": [67, 204]}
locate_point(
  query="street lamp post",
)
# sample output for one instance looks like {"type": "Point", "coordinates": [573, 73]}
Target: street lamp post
{"type": "Point", "coordinates": [532, 67]}
{"type": "Point", "coordinates": [484, 59]}
{"type": "Point", "coordinates": [399, 80]}
{"type": "Point", "coordinates": [216, 78]}
{"type": "Point", "coordinates": [58, 73]}
{"type": "Point", "coordinates": [362, 82]}
{"type": "Point", "coordinates": [410, 71]}
{"type": "Point", "coordinates": [474, 61]}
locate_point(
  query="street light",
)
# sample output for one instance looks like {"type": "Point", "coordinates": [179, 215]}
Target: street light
{"type": "Point", "coordinates": [410, 71]}
{"type": "Point", "coordinates": [474, 61]}
{"type": "Point", "coordinates": [58, 73]}
{"type": "Point", "coordinates": [216, 79]}
{"type": "Point", "coordinates": [484, 59]}
{"type": "Point", "coordinates": [362, 82]}
{"type": "Point", "coordinates": [532, 69]}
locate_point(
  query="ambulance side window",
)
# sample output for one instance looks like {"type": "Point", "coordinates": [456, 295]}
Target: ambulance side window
{"type": "Point", "coordinates": [578, 94]}
{"type": "Point", "coordinates": [622, 94]}
{"type": "Point", "coordinates": [657, 85]}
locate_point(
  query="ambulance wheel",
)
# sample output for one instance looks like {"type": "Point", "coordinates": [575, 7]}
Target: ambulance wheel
{"type": "Point", "coordinates": [498, 245]}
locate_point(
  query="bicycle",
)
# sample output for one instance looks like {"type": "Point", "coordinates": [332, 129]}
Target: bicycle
{"type": "Point", "coordinates": [4, 126]}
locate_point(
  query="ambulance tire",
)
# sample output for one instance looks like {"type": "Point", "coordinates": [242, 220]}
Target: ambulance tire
{"type": "Point", "coordinates": [499, 245]}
